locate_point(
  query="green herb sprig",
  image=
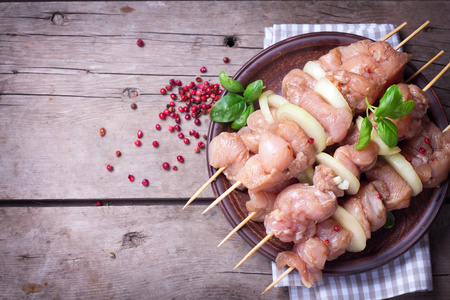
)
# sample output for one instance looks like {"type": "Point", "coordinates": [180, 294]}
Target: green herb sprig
{"type": "Point", "coordinates": [234, 107]}
{"type": "Point", "coordinates": [391, 106]}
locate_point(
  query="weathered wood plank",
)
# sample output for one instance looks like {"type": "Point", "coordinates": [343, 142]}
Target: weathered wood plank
{"type": "Point", "coordinates": [161, 252]}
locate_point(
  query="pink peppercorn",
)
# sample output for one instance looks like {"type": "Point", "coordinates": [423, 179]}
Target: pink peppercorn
{"type": "Point", "coordinates": [140, 43]}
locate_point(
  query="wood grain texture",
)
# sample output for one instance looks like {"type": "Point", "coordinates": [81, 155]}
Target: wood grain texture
{"type": "Point", "coordinates": [160, 252]}
{"type": "Point", "coordinates": [64, 67]}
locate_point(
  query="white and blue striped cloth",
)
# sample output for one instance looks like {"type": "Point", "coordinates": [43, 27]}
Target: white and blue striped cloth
{"type": "Point", "coordinates": [410, 272]}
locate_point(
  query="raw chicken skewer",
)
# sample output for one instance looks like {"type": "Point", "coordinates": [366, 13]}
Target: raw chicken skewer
{"type": "Point", "coordinates": [391, 207]}
{"type": "Point", "coordinates": [219, 171]}
{"type": "Point", "coordinates": [240, 225]}
{"type": "Point", "coordinates": [253, 213]}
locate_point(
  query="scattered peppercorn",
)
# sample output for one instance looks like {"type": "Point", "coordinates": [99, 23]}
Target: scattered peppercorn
{"type": "Point", "coordinates": [201, 145]}
{"type": "Point", "coordinates": [427, 140]}
{"type": "Point", "coordinates": [337, 228]}
{"type": "Point", "coordinates": [166, 166]}
{"type": "Point", "coordinates": [137, 143]}
{"type": "Point", "coordinates": [109, 168]}
{"type": "Point", "coordinates": [102, 131]}
{"type": "Point", "coordinates": [140, 43]}
{"type": "Point", "coordinates": [226, 60]}
{"type": "Point", "coordinates": [186, 141]}
{"type": "Point", "coordinates": [131, 178]}
{"type": "Point", "coordinates": [203, 69]}
{"type": "Point", "coordinates": [326, 242]}
{"type": "Point", "coordinates": [175, 168]}
{"type": "Point", "coordinates": [133, 105]}
{"type": "Point", "coordinates": [139, 134]}
{"type": "Point", "coordinates": [310, 141]}
{"type": "Point", "coordinates": [98, 203]}
{"type": "Point", "coordinates": [180, 158]}
{"type": "Point", "coordinates": [112, 255]}
{"type": "Point", "coordinates": [118, 153]}
{"type": "Point", "coordinates": [155, 144]}
{"type": "Point", "coordinates": [145, 182]}
{"type": "Point", "coordinates": [379, 196]}
{"type": "Point", "coordinates": [422, 150]}
{"type": "Point", "coordinates": [158, 127]}
{"type": "Point", "coordinates": [196, 150]}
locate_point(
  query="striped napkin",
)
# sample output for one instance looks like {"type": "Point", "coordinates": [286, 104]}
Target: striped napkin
{"type": "Point", "coordinates": [410, 272]}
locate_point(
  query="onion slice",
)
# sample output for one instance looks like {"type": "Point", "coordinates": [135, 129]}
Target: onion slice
{"type": "Point", "coordinates": [349, 222]}
{"type": "Point", "coordinates": [406, 171]}
{"type": "Point", "coordinates": [264, 106]}
{"type": "Point", "coordinates": [374, 136]}
{"type": "Point", "coordinates": [329, 92]}
{"type": "Point", "coordinates": [276, 100]}
{"type": "Point", "coordinates": [314, 69]}
{"type": "Point", "coordinates": [307, 123]}
{"type": "Point", "coordinates": [340, 170]}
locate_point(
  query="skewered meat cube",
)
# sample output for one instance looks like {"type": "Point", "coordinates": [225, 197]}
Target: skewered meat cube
{"type": "Point", "coordinates": [399, 190]}
{"type": "Point", "coordinates": [429, 153]}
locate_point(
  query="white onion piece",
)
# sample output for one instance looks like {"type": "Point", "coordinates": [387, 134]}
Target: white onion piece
{"type": "Point", "coordinates": [349, 222]}
{"type": "Point", "coordinates": [374, 136]}
{"type": "Point", "coordinates": [406, 171]}
{"type": "Point", "coordinates": [329, 92]}
{"type": "Point", "coordinates": [276, 100]}
{"type": "Point", "coordinates": [340, 170]}
{"type": "Point", "coordinates": [307, 123]}
{"type": "Point", "coordinates": [314, 69]}
{"type": "Point", "coordinates": [264, 106]}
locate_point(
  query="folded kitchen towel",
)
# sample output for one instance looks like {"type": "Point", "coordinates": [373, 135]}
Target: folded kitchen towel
{"type": "Point", "coordinates": [410, 272]}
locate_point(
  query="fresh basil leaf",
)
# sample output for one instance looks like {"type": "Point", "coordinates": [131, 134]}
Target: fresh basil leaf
{"type": "Point", "coordinates": [388, 132]}
{"type": "Point", "coordinates": [253, 91]}
{"type": "Point", "coordinates": [230, 84]}
{"type": "Point", "coordinates": [391, 99]}
{"type": "Point", "coordinates": [402, 110]}
{"type": "Point", "coordinates": [364, 134]}
{"type": "Point", "coordinates": [390, 220]}
{"type": "Point", "coordinates": [242, 120]}
{"type": "Point", "coordinates": [227, 109]}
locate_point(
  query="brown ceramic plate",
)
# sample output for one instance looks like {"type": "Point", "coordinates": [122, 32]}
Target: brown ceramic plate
{"type": "Point", "coordinates": [271, 65]}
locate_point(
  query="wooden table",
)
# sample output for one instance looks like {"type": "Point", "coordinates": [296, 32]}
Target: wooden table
{"type": "Point", "coordinates": [68, 69]}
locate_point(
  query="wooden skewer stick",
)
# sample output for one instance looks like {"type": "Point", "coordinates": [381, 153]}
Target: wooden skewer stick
{"type": "Point", "coordinates": [446, 128]}
{"type": "Point", "coordinates": [251, 215]}
{"type": "Point", "coordinates": [425, 66]}
{"type": "Point", "coordinates": [393, 31]}
{"type": "Point", "coordinates": [254, 249]}
{"type": "Point", "coordinates": [412, 35]}
{"type": "Point", "coordinates": [232, 188]}
{"type": "Point", "coordinates": [278, 279]}
{"type": "Point", "coordinates": [204, 186]}
{"type": "Point", "coordinates": [436, 77]}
